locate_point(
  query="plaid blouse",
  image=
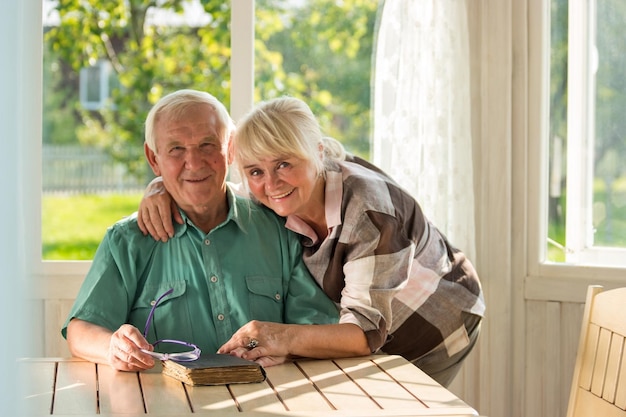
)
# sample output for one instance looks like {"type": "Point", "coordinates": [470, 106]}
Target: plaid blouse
{"type": "Point", "coordinates": [388, 268]}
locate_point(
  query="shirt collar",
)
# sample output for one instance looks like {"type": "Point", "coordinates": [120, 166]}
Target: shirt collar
{"type": "Point", "coordinates": [333, 192]}
{"type": "Point", "coordinates": [233, 214]}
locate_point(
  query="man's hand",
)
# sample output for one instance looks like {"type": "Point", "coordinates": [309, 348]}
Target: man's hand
{"type": "Point", "coordinates": [125, 350]}
{"type": "Point", "coordinates": [120, 349]}
{"type": "Point", "coordinates": [155, 212]}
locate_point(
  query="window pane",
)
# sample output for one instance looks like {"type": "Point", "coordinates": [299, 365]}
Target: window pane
{"type": "Point", "coordinates": [587, 210]}
{"type": "Point", "coordinates": [609, 196]}
{"type": "Point", "coordinates": [319, 51]}
{"type": "Point", "coordinates": [558, 130]}
{"type": "Point", "coordinates": [105, 65]}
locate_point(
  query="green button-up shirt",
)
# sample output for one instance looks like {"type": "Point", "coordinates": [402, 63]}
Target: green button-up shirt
{"type": "Point", "coordinates": [248, 267]}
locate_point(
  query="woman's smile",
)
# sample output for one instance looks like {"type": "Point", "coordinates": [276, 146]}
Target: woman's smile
{"type": "Point", "coordinates": [281, 196]}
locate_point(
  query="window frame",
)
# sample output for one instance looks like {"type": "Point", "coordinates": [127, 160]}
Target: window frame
{"type": "Point", "coordinates": [546, 280]}
{"type": "Point", "coordinates": [96, 76]}
{"type": "Point", "coordinates": [543, 280]}
{"type": "Point", "coordinates": [581, 129]}
{"type": "Point", "coordinates": [242, 96]}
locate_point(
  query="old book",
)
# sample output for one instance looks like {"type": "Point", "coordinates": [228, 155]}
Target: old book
{"type": "Point", "coordinates": [215, 369]}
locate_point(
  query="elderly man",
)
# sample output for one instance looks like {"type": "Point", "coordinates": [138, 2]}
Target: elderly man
{"type": "Point", "coordinates": [230, 262]}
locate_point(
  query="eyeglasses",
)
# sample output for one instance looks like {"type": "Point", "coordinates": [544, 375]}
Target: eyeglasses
{"type": "Point", "coordinates": [188, 356]}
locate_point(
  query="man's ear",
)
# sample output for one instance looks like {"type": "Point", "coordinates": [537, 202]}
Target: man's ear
{"type": "Point", "coordinates": [151, 157]}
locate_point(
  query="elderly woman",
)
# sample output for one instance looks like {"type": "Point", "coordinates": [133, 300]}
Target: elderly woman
{"type": "Point", "coordinates": [401, 287]}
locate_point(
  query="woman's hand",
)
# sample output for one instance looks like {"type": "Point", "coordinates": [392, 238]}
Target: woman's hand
{"type": "Point", "coordinates": [272, 343]}
{"type": "Point", "coordinates": [264, 361]}
{"type": "Point", "coordinates": [155, 212]}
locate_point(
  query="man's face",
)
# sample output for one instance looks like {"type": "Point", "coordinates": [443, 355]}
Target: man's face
{"type": "Point", "coordinates": [192, 158]}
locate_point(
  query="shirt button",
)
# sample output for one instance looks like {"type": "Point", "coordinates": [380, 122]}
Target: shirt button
{"type": "Point", "coordinates": [213, 278]}
{"type": "Point", "coordinates": [277, 296]}
{"type": "Point", "coordinates": [220, 317]}
{"type": "Point", "coordinates": [207, 242]}
{"type": "Point", "coordinates": [153, 302]}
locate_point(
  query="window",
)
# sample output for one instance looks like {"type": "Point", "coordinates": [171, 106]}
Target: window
{"type": "Point", "coordinates": [320, 51]}
{"type": "Point", "coordinates": [96, 83]}
{"type": "Point", "coordinates": [587, 210]}
{"type": "Point", "coordinates": [105, 65]}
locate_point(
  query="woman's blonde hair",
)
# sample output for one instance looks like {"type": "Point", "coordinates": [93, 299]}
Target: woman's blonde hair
{"type": "Point", "coordinates": [175, 104]}
{"type": "Point", "coordinates": [284, 127]}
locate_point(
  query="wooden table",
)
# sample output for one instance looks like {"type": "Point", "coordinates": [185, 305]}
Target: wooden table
{"type": "Point", "coordinates": [376, 385]}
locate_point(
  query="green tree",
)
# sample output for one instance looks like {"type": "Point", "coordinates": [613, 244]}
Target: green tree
{"type": "Point", "coordinates": [606, 108]}
{"type": "Point", "coordinates": [611, 83]}
{"type": "Point", "coordinates": [326, 58]}
{"type": "Point", "coordinates": [558, 118]}
{"type": "Point", "coordinates": [610, 123]}
{"type": "Point", "coordinates": [149, 61]}
{"type": "Point", "coordinates": [319, 51]}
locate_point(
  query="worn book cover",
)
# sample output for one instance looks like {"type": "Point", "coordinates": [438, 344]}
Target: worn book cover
{"type": "Point", "coordinates": [215, 369]}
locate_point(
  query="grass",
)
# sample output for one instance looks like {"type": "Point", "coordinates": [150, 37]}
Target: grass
{"type": "Point", "coordinates": [73, 225]}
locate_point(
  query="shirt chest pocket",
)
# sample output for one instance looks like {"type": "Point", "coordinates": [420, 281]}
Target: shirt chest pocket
{"type": "Point", "coordinates": [266, 298]}
{"type": "Point", "coordinates": [163, 311]}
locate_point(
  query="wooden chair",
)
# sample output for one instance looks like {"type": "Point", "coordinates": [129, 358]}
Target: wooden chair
{"type": "Point", "coordinates": [599, 383]}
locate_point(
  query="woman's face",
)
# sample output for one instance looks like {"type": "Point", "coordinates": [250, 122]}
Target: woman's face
{"type": "Point", "coordinates": [284, 184]}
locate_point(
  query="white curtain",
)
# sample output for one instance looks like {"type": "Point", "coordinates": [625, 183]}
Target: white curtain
{"type": "Point", "coordinates": [422, 134]}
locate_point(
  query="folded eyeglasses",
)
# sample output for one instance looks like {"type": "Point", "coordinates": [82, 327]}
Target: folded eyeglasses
{"type": "Point", "coordinates": [187, 356]}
